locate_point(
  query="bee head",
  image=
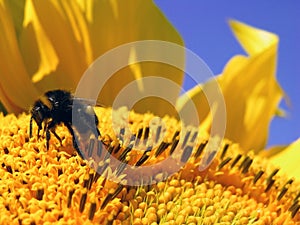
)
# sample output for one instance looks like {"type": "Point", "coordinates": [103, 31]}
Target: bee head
{"type": "Point", "coordinates": [39, 113]}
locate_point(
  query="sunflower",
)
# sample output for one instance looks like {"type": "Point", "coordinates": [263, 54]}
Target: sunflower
{"type": "Point", "coordinates": [241, 184]}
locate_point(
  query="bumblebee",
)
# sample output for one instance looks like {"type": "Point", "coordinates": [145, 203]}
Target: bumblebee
{"type": "Point", "coordinates": [58, 107]}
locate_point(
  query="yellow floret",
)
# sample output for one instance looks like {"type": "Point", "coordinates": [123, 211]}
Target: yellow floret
{"type": "Point", "coordinates": [40, 186]}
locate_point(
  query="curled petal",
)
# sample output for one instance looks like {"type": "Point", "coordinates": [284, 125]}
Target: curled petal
{"type": "Point", "coordinates": [249, 87]}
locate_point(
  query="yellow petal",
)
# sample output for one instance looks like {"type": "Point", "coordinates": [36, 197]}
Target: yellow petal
{"type": "Point", "coordinates": [274, 150]}
{"type": "Point", "coordinates": [113, 23]}
{"type": "Point", "coordinates": [54, 35]}
{"type": "Point", "coordinates": [16, 88]}
{"type": "Point", "coordinates": [58, 40]}
{"type": "Point", "coordinates": [249, 87]}
{"type": "Point", "coordinates": [252, 39]}
{"type": "Point", "coordinates": [288, 159]}
{"type": "Point", "coordinates": [16, 8]}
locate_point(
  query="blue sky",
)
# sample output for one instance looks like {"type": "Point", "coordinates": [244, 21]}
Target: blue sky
{"type": "Point", "coordinates": [204, 28]}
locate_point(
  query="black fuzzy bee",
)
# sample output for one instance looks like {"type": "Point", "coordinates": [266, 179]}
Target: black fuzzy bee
{"type": "Point", "coordinates": [59, 107]}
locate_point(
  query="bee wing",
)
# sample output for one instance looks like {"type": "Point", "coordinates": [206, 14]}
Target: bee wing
{"type": "Point", "coordinates": [91, 102]}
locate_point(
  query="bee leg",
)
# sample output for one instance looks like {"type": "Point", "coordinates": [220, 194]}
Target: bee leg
{"type": "Point", "coordinates": [48, 135]}
{"type": "Point", "coordinates": [30, 127]}
{"type": "Point", "coordinates": [38, 133]}
{"type": "Point", "coordinates": [97, 130]}
{"type": "Point", "coordinates": [51, 127]}
{"type": "Point", "coordinates": [98, 133]}
{"type": "Point", "coordinates": [44, 130]}
{"type": "Point", "coordinates": [74, 140]}
{"type": "Point", "coordinates": [56, 135]}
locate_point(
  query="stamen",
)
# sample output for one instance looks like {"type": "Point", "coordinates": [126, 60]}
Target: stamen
{"type": "Point", "coordinates": [6, 151]}
{"type": "Point", "coordinates": [194, 136]}
{"type": "Point", "coordinates": [247, 165]}
{"type": "Point", "coordinates": [121, 167]}
{"type": "Point", "coordinates": [294, 210]}
{"type": "Point", "coordinates": [297, 196]}
{"type": "Point", "coordinates": [76, 181]}
{"type": "Point", "coordinates": [108, 153]}
{"type": "Point", "coordinates": [59, 172]}
{"type": "Point", "coordinates": [71, 192]}
{"type": "Point", "coordinates": [117, 191]}
{"type": "Point", "coordinates": [106, 200]}
{"type": "Point", "coordinates": [175, 135]}
{"type": "Point", "coordinates": [103, 182]}
{"type": "Point", "coordinates": [294, 205]}
{"type": "Point", "coordinates": [158, 131]}
{"type": "Point", "coordinates": [60, 216]}
{"type": "Point", "coordinates": [282, 193]}
{"type": "Point", "coordinates": [36, 149]}
{"type": "Point", "coordinates": [132, 138]}
{"type": "Point", "coordinates": [122, 157]}
{"type": "Point", "coordinates": [96, 177]}
{"type": "Point", "coordinates": [186, 153]}
{"type": "Point", "coordinates": [174, 145]}
{"type": "Point", "coordinates": [40, 194]}
{"type": "Point", "coordinates": [100, 169]}
{"type": "Point", "coordinates": [224, 162]}
{"type": "Point", "coordinates": [121, 134]}
{"type": "Point", "coordinates": [9, 169]}
{"type": "Point", "coordinates": [272, 175]}
{"type": "Point", "coordinates": [270, 180]}
{"type": "Point", "coordinates": [92, 210]}
{"type": "Point", "coordinates": [235, 161]}
{"type": "Point", "coordinates": [139, 136]}
{"type": "Point", "coordinates": [269, 184]}
{"type": "Point", "coordinates": [284, 189]}
{"type": "Point", "coordinates": [85, 181]}
{"type": "Point", "coordinates": [116, 148]}
{"type": "Point", "coordinates": [161, 148]}
{"type": "Point", "coordinates": [144, 157]}
{"type": "Point", "coordinates": [290, 181]}
{"type": "Point", "coordinates": [146, 134]}
{"type": "Point", "coordinates": [140, 133]}
{"type": "Point", "coordinates": [186, 137]}
{"type": "Point", "coordinates": [224, 150]}
{"type": "Point", "coordinates": [82, 200]}
{"type": "Point", "coordinates": [91, 147]}
{"type": "Point", "coordinates": [210, 157]}
{"type": "Point", "coordinates": [99, 148]}
{"type": "Point", "coordinates": [200, 149]}
{"type": "Point", "coordinates": [91, 178]}
{"type": "Point", "coordinates": [257, 176]}
{"type": "Point", "coordinates": [244, 162]}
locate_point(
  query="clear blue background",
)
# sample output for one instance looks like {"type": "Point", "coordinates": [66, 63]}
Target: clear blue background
{"type": "Point", "coordinates": [204, 28]}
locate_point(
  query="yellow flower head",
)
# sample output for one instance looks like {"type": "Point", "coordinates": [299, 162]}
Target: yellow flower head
{"type": "Point", "coordinates": [39, 185]}
{"type": "Point", "coordinates": [49, 44]}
